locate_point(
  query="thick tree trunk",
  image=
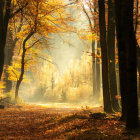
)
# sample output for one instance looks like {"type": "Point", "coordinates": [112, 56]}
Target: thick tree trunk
{"type": "Point", "coordinates": [1, 58]}
{"type": "Point", "coordinates": [121, 54]}
{"type": "Point", "coordinates": [111, 52]}
{"type": "Point", "coordinates": [4, 19]}
{"type": "Point", "coordinates": [104, 53]}
{"type": "Point", "coordinates": [2, 35]}
{"type": "Point", "coordinates": [9, 52]}
{"type": "Point", "coordinates": [128, 61]}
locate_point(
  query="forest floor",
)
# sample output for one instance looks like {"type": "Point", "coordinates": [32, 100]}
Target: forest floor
{"type": "Point", "coordinates": [42, 123]}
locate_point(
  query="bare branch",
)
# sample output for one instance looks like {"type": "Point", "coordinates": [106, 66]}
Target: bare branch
{"type": "Point", "coordinates": [89, 20]}
{"type": "Point", "coordinates": [15, 74]}
{"type": "Point", "coordinates": [33, 44]}
{"type": "Point", "coordinates": [64, 6]}
{"type": "Point", "coordinates": [47, 60]}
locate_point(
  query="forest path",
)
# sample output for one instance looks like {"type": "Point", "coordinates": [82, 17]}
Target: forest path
{"type": "Point", "coordinates": [42, 123]}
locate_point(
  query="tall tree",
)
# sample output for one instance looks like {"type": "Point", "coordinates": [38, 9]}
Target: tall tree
{"type": "Point", "coordinates": [40, 22]}
{"type": "Point", "coordinates": [91, 26]}
{"type": "Point", "coordinates": [23, 63]}
{"type": "Point", "coordinates": [104, 53]}
{"type": "Point", "coordinates": [4, 19]}
{"type": "Point", "coordinates": [91, 14]}
{"type": "Point", "coordinates": [5, 15]}
{"type": "Point", "coordinates": [9, 50]}
{"type": "Point", "coordinates": [98, 70]}
{"type": "Point", "coordinates": [127, 61]}
{"type": "Point", "coordinates": [111, 54]}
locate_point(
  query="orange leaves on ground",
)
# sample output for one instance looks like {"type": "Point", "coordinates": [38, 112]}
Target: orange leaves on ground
{"type": "Point", "coordinates": [33, 122]}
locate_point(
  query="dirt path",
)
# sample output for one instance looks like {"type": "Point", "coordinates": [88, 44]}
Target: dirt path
{"type": "Point", "coordinates": [41, 123]}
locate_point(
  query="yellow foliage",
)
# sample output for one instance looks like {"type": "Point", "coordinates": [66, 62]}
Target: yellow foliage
{"type": "Point", "coordinates": [42, 17]}
{"type": "Point", "coordinates": [82, 94]}
{"type": "Point", "coordinates": [75, 83]}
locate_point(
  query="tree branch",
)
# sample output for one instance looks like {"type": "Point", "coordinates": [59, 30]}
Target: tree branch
{"type": "Point", "coordinates": [15, 74]}
{"type": "Point", "coordinates": [18, 10]}
{"type": "Point", "coordinates": [33, 44]}
{"type": "Point", "coordinates": [89, 20]}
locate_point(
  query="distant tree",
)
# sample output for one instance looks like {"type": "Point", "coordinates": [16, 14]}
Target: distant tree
{"type": "Point", "coordinates": [91, 14]}
{"type": "Point", "coordinates": [127, 61]}
{"type": "Point", "coordinates": [98, 70]}
{"type": "Point", "coordinates": [63, 96]}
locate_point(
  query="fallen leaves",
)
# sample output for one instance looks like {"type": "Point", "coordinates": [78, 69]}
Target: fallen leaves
{"type": "Point", "coordinates": [35, 122]}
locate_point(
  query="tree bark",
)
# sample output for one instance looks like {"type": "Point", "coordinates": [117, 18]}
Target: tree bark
{"type": "Point", "coordinates": [22, 72]}
{"type": "Point", "coordinates": [104, 53]}
{"type": "Point", "coordinates": [111, 52]}
{"type": "Point", "coordinates": [5, 15]}
{"type": "Point", "coordinates": [9, 52]}
{"type": "Point", "coordinates": [98, 74]}
{"type": "Point", "coordinates": [138, 68]}
{"type": "Point", "coordinates": [94, 71]}
{"type": "Point", "coordinates": [128, 61]}
{"type": "Point", "coordinates": [4, 19]}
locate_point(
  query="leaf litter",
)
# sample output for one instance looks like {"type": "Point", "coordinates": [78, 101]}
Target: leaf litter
{"type": "Point", "coordinates": [39, 123]}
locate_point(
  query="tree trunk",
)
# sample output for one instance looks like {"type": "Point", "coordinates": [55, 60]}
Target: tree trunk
{"type": "Point", "coordinates": [22, 65]}
{"type": "Point", "coordinates": [138, 68]}
{"type": "Point", "coordinates": [94, 70]}
{"type": "Point", "coordinates": [98, 79]}
{"type": "Point", "coordinates": [4, 19]}
{"type": "Point", "coordinates": [17, 89]}
{"type": "Point", "coordinates": [104, 53]}
{"type": "Point", "coordinates": [111, 52]}
{"type": "Point", "coordinates": [9, 52]}
{"type": "Point", "coordinates": [128, 61]}
{"type": "Point", "coordinates": [22, 72]}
